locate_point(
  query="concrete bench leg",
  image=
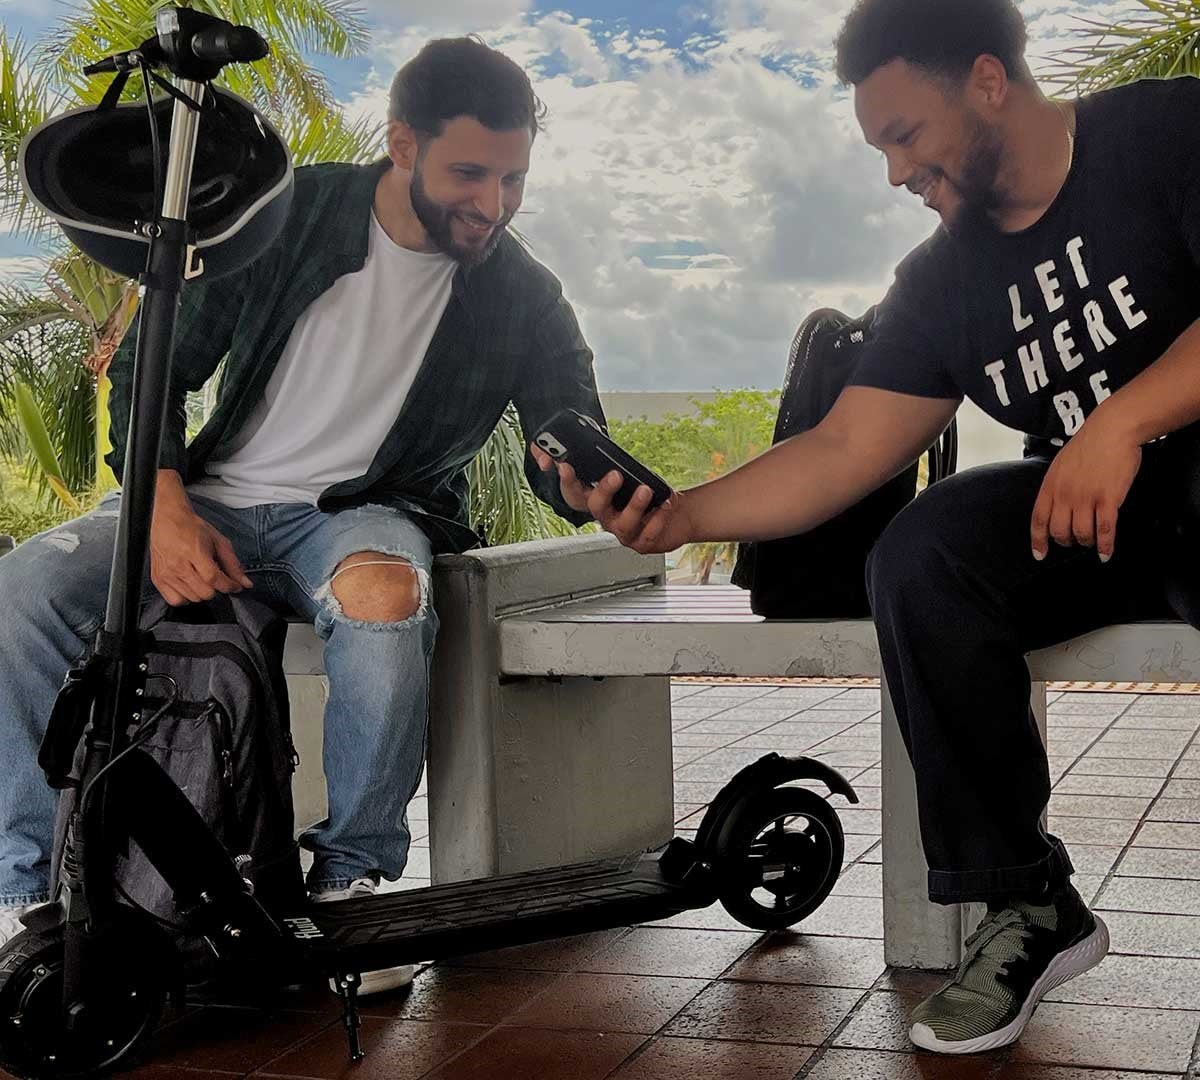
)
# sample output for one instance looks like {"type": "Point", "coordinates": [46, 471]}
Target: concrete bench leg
{"type": "Point", "coordinates": [307, 695]}
{"type": "Point", "coordinates": [533, 772]}
{"type": "Point", "coordinates": [552, 773]}
{"type": "Point", "coordinates": [917, 933]}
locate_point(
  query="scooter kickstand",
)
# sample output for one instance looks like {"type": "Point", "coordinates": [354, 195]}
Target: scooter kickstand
{"type": "Point", "coordinates": [347, 989]}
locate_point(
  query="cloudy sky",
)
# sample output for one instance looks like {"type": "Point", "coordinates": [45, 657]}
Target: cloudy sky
{"type": "Point", "coordinates": [701, 184]}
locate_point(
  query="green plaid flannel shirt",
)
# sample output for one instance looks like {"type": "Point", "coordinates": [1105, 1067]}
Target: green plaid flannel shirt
{"type": "Point", "coordinates": [507, 334]}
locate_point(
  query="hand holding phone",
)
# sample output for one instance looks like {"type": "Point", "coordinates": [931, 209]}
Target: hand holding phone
{"type": "Point", "coordinates": [576, 439]}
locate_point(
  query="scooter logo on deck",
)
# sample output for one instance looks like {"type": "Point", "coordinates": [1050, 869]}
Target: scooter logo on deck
{"type": "Point", "coordinates": [304, 929]}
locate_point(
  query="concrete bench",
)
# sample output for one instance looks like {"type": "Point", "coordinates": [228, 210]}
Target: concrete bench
{"type": "Point", "coordinates": [550, 734]}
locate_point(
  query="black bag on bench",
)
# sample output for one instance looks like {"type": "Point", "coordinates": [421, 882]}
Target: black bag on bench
{"type": "Point", "coordinates": [820, 574]}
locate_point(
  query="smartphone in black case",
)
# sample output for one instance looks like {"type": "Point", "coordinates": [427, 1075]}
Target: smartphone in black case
{"type": "Point", "coordinates": [578, 440]}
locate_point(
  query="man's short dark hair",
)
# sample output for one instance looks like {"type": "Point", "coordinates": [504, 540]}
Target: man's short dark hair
{"type": "Point", "coordinates": [944, 37]}
{"type": "Point", "coordinates": [462, 76]}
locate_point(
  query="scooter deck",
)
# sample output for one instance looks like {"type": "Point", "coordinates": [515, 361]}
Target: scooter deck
{"type": "Point", "coordinates": [473, 916]}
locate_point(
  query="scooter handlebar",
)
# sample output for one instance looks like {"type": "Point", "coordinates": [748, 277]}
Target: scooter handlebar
{"type": "Point", "coordinates": [228, 44]}
{"type": "Point", "coordinates": [149, 51]}
{"type": "Point", "coordinates": [211, 46]}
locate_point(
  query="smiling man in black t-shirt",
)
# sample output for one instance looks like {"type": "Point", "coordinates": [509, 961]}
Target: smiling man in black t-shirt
{"type": "Point", "coordinates": [1061, 293]}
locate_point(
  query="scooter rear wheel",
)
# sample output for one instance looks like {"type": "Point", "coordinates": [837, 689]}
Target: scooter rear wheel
{"type": "Point", "coordinates": [34, 1041]}
{"type": "Point", "coordinates": [780, 856]}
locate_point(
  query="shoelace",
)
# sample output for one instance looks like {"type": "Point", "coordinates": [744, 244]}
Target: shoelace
{"type": "Point", "coordinates": [995, 923]}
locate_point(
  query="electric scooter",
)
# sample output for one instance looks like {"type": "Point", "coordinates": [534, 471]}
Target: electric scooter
{"type": "Point", "coordinates": [83, 986]}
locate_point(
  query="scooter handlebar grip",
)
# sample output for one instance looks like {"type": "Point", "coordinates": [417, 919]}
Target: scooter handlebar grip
{"type": "Point", "coordinates": [228, 44]}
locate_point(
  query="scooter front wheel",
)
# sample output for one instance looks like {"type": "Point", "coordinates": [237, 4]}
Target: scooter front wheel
{"type": "Point", "coordinates": [36, 1040]}
{"type": "Point", "coordinates": [779, 857]}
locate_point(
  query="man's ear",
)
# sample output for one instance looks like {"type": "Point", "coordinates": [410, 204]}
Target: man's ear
{"type": "Point", "coordinates": [988, 81]}
{"type": "Point", "coordinates": [402, 145]}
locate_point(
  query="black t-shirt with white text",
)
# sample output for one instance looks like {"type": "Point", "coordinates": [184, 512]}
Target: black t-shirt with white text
{"type": "Point", "coordinates": [1038, 327]}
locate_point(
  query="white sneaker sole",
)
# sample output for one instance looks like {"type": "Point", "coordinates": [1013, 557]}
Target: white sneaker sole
{"type": "Point", "coordinates": [381, 981]}
{"type": "Point", "coordinates": [1066, 965]}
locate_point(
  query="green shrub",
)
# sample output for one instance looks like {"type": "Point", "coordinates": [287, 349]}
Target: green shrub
{"type": "Point", "coordinates": [22, 522]}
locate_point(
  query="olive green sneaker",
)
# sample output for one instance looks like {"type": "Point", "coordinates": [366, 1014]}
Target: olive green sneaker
{"type": "Point", "coordinates": [1018, 954]}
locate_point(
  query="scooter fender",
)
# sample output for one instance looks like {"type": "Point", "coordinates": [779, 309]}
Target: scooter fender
{"type": "Point", "coordinates": [768, 772]}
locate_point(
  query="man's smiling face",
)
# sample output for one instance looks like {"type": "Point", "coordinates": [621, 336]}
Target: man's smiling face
{"type": "Point", "coordinates": [467, 184]}
{"type": "Point", "coordinates": [935, 143]}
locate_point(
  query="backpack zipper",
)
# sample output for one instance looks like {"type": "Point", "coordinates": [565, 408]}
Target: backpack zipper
{"type": "Point", "coordinates": [224, 726]}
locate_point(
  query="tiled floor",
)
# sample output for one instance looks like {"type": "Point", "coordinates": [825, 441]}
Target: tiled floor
{"type": "Point", "coordinates": [699, 996]}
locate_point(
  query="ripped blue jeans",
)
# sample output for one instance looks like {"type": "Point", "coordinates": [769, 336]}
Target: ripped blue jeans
{"type": "Point", "coordinates": [52, 597]}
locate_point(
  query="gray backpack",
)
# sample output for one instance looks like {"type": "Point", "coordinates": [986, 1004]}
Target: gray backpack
{"type": "Point", "coordinates": [216, 675]}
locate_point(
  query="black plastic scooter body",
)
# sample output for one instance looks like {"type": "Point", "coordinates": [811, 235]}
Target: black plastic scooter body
{"type": "Point", "coordinates": [475, 916]}
{"type": "Point", "coordinates": [491, 913]}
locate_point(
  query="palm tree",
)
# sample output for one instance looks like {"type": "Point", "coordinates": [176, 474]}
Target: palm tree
{"type": "Point", "coordinates": [503, 507]}
{"type": "Point", "coordinates": [1160, 43]}
{"type": "Point", "coordinates": [58, 339]}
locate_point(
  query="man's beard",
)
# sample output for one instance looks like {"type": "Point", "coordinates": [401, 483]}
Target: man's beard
{"type": "Point", "coordinates": [437, 221]}
{"type": "Point", "coordinates": [977, 182]}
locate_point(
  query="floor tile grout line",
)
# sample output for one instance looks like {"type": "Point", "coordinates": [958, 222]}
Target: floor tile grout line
{"type": "Point", "coordinates": [577, 969]}
{"type": "Point", "coordinates": [488, 1031]}
{"type": "Point", "coordinates": [737, 738]}
{"type": "Point", "coordinates": [1111, 873]}
{"type": "Point", "coordinates": [703, 990]}
{"type": "Point", "coordinates": [1130, 843]}
{"type": "Point", "coordinates": [646, 1043]}
{"type": "Point", "coordinates": [1193, 1069]}
{"type": "Point", "coordinates": [292, 1047]}
{"type": "Point", "coordinates": [734, 737]}
{"type": "Point", "coordinates": [827, 1044]}
{"type": "Point", "coordinates": [998, 1062]}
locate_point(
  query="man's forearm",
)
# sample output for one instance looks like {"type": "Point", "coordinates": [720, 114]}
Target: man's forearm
{"type": "Point", "coordinates": [169, 487]}
{"type": "Point", "coordinates": [1163, 398]}
{"type": "Point", "coordinates": [868, 437]}
{"type": "Point", "coordinates": [793, 487]}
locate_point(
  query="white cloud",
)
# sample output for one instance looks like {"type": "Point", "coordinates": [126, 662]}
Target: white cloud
{"type": "Point", "coordinates": [783, 207]}
{"type": "Point", "coordinates": [443, 15]}
{"type": "Point", "coordinates": [739, 143]}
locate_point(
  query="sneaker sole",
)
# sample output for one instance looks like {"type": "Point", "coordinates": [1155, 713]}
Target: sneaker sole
{"type": "Point", "coordinates": [1066, 965]}
{"type": "Point", "coordinates": [381, 981]}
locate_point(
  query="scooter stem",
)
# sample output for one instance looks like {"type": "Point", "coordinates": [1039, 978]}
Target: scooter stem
{"type": "Point", "coordinates": [88, 893]}
{"type": "Point", "coordinates": [156, 335]}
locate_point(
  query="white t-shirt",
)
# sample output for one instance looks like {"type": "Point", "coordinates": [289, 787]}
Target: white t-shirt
{"type": "Point", "coordinates": [345, 373]}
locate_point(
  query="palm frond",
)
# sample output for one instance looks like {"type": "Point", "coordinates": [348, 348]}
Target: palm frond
{"type": "Point", "coordinates": [329, 137]}
{"type": "Point", "coordinates": [96, 290]}
{"type": "Point", "coordinates": [46, 355]}
{"type": "Point", "coordinates": [325, 27]}
{"type": "Point", "coordinates": [22, 310]}
{"type": "Point", "coordinates": [1161, 44]}
{"type": "Point", "coordinates": [503, 507]}
{"type": "Point", "coordinates": [25, 101]}
{"type": "Point", "coordinates": [94, 30]}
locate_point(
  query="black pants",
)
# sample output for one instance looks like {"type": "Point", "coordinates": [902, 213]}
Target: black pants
{"type": "Point", "coordinates": [958, 600]}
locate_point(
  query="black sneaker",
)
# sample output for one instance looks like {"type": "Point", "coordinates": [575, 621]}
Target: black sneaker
{"type": "Point", "coordinates": [1018, 954]}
